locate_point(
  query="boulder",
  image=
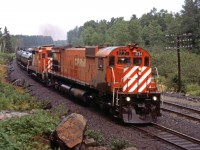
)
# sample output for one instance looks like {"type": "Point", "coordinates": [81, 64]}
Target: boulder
{"type": "Point", "coordinates": [71, 130]}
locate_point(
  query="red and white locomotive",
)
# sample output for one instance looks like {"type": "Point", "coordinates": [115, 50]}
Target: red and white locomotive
{"type": "Point", "coordinates": [118, 78]}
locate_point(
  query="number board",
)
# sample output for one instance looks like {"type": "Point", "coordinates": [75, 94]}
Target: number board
{"type": "Point", "coordinates": [138, 53]}
{"type": "Point", "coordinates": [122, 52]}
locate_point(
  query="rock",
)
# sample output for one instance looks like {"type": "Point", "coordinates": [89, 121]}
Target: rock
{"type": "Point", "coordinates": [47, 106]}
{"type": "Point", "coordinates": [70, 131]}
{"type": "Point", "coordinates": [19, 82]}
{"type": "Point", "coordinates": [89, 142]}
{"type": "Point", "coordinates": [8, 114]}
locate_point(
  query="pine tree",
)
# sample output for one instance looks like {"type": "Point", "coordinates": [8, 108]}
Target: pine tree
{"type": "Point", "coordinates": [1, 40]}
{"type": "Point", "coordinates": [7, 40]}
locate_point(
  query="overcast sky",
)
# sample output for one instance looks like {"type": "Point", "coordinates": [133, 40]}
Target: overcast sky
{"type": "Point", "coordinates": [56, 17]}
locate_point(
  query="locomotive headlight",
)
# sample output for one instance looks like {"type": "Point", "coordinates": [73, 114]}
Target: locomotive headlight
{"type": "Point", "coordinates": [154, 98]}
{"type": "Point", "coordinates": [128, 99]}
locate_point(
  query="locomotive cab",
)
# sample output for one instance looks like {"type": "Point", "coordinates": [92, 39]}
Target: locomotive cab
{"type": "Point", "coordinates": [41, 62]}
{"type": "Point", "coordinates": [132, 94]}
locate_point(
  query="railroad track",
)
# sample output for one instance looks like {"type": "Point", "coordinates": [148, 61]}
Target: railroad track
{"type": "Point", "coordinates": [190, 113]}
{"type": "Point", "coordinates": [170, 136]}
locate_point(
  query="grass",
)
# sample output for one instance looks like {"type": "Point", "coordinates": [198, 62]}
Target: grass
{"type": "Point", "coordinates": [193, 89]}
{"type": "Point", "coordinates": [118, 144]}
{"type": "Point", "coordinates": [11, 99]}
{"type": "Point", "coordinates": [6, 57]}
{"type": "Point", "coordinates": [115, 143]}
{"type": "Point", "coordinates": [22, 133]}
{"type": "Point", "coordinates": [96, 135]}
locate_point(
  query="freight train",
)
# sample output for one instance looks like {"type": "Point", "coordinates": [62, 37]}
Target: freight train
{"type": "Point", "coordinates": [117, 78]}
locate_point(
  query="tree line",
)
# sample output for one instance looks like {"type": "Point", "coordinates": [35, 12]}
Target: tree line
{"type": "Point", "coordinates": [9, 43]}
{"type": "Point", "coordinates": [148, 31]}
{"type": "Point", "coordinates": [32, 41]}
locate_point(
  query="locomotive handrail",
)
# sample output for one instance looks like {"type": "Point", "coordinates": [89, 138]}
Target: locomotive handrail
{"type": "Point", "coordinates": [157, 75]}
{"type": "Point", "coordinates": [114, 87]}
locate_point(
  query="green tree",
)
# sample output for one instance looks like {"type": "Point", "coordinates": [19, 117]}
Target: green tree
{"type": "Point", "coordinates": [1, 40]}
{"type": "Point", "coordinates": [134, 29]}
{"type": "Point", "coordinates": [74, 36]}
{"type": "Point", "coordinates": [190, 17]}
{"type": "Point", "coordinates": [156, 35]}
{"type": "Point", "coordinates": [102, 28]}
{"type": "Point", "coordinates": [89, 36]}
{"type": "Point", "coordinates": [7, 40]}
{"type": "Point", "coordinates": [118, 33]}
{"type": "Point", "coordinates": [173, 23]}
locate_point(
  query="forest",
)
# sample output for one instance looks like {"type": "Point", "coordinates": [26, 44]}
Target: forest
{"type": "Point", "coordinates": [151, 29]}
{"type": "Point", "coordinates": [162, 33]}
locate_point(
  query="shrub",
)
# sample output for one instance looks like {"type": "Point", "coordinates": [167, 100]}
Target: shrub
{"type": "Point", "coordinates": [193, 89]}
{"type": "Point", "coordinates": [96, 135]}
{"type": "Point", "coordinates": [118, 144]}
{"type": "Point", "coordinates": [19, 133]}
{"type": "Point", "coordinates": [10, 99]}
{"type": "Point", "coordinates": [6, 57]}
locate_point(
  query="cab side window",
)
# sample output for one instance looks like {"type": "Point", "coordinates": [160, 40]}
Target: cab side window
{"type": "Point", "coordinates": [100, 63]}
{"type": "Point", "coordinates": [137, 61]}
{"type": "Point", "coordinates": [146, 61]}
{"type": "Point", "coordinates": [43, 55]}
{"type": "Point", "coordinates": [111, 61]}
{"type": "Point", "coordinates": [50, 54]}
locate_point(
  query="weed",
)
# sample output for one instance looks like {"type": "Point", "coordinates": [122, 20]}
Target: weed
{"type": "Point", "coordinates": [118, 144]}
{"type": "Point", "coordinates": [10, 99]}
{"type": "Point", "coordinates": [96, 135]}
{"type": "Point", "coordinates": [19, 133]}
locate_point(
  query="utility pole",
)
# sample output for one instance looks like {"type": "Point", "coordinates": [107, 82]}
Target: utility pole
{"type": "Point", "coordinates": [179, 62]}
{"type": "Point", "coordinates": [183, 41]}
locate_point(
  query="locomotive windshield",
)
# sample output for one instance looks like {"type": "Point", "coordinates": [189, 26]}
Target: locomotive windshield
{"type": "Point", "coordinates": [124, 60]}
{"type": "Point", "coordinates": [137, 61]}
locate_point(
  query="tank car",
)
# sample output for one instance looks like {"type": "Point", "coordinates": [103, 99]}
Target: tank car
{"type": "Point", "coordinates": [24, 57]}
{"type": "Point", "coordinates": [117, 78]}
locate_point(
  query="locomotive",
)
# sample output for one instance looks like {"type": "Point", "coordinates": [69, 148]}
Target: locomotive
{"type": "Point", "coordinates": [116, 78]}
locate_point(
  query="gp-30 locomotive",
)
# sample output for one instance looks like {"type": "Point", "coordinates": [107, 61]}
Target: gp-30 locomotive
{"type": "Point", "coordinates": [117, 78]}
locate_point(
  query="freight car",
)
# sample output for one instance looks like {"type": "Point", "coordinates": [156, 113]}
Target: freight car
{"type": "Point", "coordinates": [117, 78]}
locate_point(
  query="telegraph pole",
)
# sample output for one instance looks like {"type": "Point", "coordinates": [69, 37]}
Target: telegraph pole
{"type": "Point", "coordinates": [182, 41]}
{"type": "Point", "coordinates": [179, 62]}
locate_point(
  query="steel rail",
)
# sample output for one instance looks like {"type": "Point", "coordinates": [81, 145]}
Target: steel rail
{"type": "Point", "coordinates": [181, 113]}
{"type": "Point", "coordinates": [170, 136]}
{"type": "Point", "coordinates": [180, 106]}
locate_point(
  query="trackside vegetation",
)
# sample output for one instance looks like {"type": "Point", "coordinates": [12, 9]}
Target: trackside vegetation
{"type": "Point", "coordinates": [166, 62]}
{"type": "Point", "coordinates": [27, 132]}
